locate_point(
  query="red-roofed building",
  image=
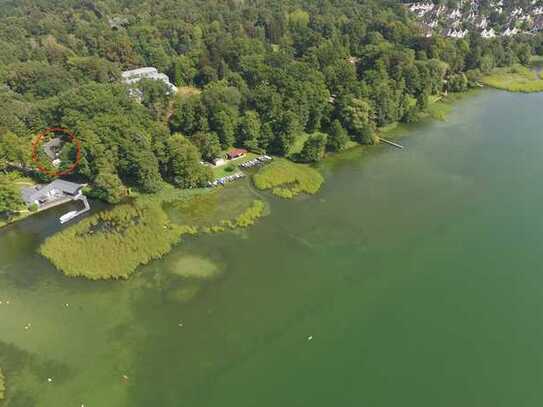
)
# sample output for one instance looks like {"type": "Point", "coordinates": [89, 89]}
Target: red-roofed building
{"type": "Point", "coordinates": [236, 153]}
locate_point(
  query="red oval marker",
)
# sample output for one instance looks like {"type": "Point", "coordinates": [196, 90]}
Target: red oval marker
{"type": "Point", "coordinates": [39, 140]}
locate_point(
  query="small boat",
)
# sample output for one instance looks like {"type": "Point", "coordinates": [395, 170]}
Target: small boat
{"type": "Point", "coordinates": [68, 216]}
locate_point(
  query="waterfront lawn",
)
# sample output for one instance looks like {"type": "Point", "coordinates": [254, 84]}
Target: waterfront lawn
{"type": "Point", "coordinates": [514, 79]}
{"type": "Point", "coordinates": [287, 179]}
{"type": "Point", "coordinates": [232, 166]}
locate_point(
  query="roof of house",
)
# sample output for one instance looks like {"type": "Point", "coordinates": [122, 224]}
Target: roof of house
{"type": "Point", "coordinates": [52, 145]}
{"type": "Point", "coordinates": [149, 70]}
{"type": "Point", "coordinates": [35, 193]}
{"type": "Point", "coordinates": [135, 75]}
{"type": "Point", "coordinates": [236, 152]}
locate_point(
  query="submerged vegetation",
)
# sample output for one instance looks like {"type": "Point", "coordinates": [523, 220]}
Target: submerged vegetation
{"type": "Point", "coordinates": [516, 78]}
{"type": "Point", "coordinates": [194, 267]}
{"type": "Point", "coordinates": [287, 179]}
{"type": "Point", "coordinates": [112, 244]}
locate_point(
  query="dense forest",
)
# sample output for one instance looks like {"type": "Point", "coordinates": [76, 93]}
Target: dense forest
{"type": "Point", "coordinates": [254, 74]}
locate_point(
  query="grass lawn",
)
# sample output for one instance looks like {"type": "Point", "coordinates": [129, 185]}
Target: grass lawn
{"type": "Point", "coordinates": [219, 172]}
{"type": "Point", "coordinates": [514, 79]}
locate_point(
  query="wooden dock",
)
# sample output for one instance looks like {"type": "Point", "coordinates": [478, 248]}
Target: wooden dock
{"type": "Point", "coordinates": [73, 214]}
{"type": "Point", "coordinates": [391, 143]}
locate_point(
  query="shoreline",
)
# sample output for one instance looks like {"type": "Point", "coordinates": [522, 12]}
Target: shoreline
{"type": "Point", "coordinates": [438, 109]}
{"type": "Point", "coordinates": [203, 223]}
{"type": "Point", "coordinates": [241, 218]}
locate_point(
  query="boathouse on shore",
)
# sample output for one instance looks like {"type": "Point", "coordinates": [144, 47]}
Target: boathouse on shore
{"type": "Point", "coordinates": [55, 193]}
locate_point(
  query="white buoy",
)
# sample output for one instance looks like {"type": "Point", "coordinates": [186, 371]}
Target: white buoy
{"type": "Point", "coordinates": [49, 380]}
{"type": "Point", "coordinates": [310, 338]}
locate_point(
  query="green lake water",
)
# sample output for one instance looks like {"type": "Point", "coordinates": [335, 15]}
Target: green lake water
{"type": "Point", "coordinates": [417, 273]}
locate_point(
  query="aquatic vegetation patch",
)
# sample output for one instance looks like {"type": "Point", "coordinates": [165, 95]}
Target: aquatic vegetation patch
{"type": "Point", "coordinates": [112, 244]}
{"type": "Point", "coordinates": [287, 179]}
{"type": "Point", "coordinates": [514, 79]}
{"type": "Point", "coordinates": [2, 385]}
{"type": "Point", "coordinates": [210, 211]}
{"type": "Point", "coordinates": [247, 218]}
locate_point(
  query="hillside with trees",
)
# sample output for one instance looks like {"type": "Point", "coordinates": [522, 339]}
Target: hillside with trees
{"type": "Point", "coordinates": [267, 74]}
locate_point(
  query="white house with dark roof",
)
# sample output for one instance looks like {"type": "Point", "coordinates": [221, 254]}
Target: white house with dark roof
{"type": "Point", "coordinates": [57, 192]}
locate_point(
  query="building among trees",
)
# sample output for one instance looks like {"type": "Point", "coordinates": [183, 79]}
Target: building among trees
{"type": "Point", "coordinates": [55, 193]}
{"type": "Point", "coordinates": [135, 75]}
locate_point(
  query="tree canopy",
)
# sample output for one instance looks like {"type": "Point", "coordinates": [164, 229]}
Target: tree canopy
{"type": "Point", "coordinates": [265, 73]}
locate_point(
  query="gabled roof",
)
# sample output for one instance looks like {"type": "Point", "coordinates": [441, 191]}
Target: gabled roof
{"type": "Point", "coordinates": [236, 152]}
